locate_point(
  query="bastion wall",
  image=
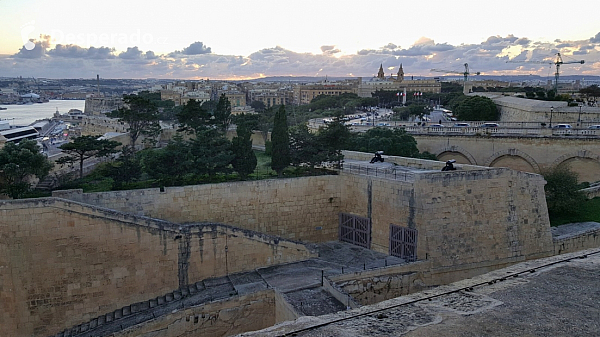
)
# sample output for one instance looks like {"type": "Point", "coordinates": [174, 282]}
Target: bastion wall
{"type": "Point", "coordinates": [63, 263]}
{"type": "Point", "coordinates": [304, 209]}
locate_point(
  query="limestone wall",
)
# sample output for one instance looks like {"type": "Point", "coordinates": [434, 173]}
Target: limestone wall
{"type": "Point", "coordinates": [581, 236]}
{"type": "Point", "coordinates": [303, 209]}
{"type": "Point", "coordinates": [64, 263]}
{"type": "Point", "coordinates": [223, 318]}
{"type": "Point", "coordinates": [468, 222]}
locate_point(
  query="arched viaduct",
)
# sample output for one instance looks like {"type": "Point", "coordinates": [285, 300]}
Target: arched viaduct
{"type": "Point", "coordinates": [531, 154]}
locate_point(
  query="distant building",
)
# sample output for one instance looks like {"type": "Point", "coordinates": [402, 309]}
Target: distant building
{"type": "Point", "coordinates": [96, 106]}
{"type": "Point", "coordinates": [304, 94]}
{"type": "Point", "coordinates": [396, 83]}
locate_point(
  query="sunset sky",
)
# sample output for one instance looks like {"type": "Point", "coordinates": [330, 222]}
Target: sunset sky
{"type": "Point", "coordinates": [234, 39]}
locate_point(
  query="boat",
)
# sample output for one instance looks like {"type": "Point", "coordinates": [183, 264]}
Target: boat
{"type": "Point", "coordinates": [1, 108]}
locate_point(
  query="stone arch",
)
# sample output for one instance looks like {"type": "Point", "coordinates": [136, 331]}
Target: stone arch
{"type": "Point", "coordinates": [524, 157]}
{"type": "Point", "coordinates": [583, 162]}
{"type": "Point", "coordinates": [459, 150]}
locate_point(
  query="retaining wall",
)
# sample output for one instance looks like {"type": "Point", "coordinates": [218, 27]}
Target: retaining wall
{"type": "Point", "coordinates": [64, 263]}
{"type": "Point", "coordinates": [302, 209]}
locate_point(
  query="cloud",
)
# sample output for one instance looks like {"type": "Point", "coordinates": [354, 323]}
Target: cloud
{"type": "Point", "coordinates": [196, 48]}
{"type": "Point", "coordinates": [131, 53]}
{"type": "Point", "coordinates": [37, 50]}
{"type": "Point", "coordinates": [329, 50]}
{"type": "Point", "coordinates": [595, 39]}
{"type": "Point", "coordinates": [197, 60]}
{"type": "Point", "coordinates": [74, 51]}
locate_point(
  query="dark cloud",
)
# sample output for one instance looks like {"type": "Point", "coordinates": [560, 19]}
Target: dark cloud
{"type": "Point", "coordinates": [196, 48]}
{"type": "Point", "coordinates": [150, 55]}
{"type": "Point", "coordinates": [132, 53]}
{"type": "Point", "coordinates": [329, 50]}
{"type": "Point", "coordinates": [564, 45]}
{"type": "Point", "coordinates": [74, 51]}
{"type": "Point", "coordinates": [595, 39]}
{"type": "Point", "coordinates": [580, 52]}
{"type": "Point", "coordinates": [34, 48]}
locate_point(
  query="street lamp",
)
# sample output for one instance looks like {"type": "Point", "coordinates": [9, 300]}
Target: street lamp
{"type": "Point", "coordinates": [551, 111]}
{"type": "Point", "coordinates": [579, 118]}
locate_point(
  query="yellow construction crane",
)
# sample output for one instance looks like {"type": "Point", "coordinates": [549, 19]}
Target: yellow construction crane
{"type": "Point", "coordinates": [558, 63]}
{"type": "Point", "coordinates": [465, 73]}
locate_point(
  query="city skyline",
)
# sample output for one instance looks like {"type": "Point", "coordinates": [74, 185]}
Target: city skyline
{"type": "Point", "coordinates": [253, 39]}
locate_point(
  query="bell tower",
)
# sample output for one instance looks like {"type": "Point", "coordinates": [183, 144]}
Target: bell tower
{"type": "Point", "coordinates": [380, 74]}
{"type": "Point", "coordinates": [400, 74]}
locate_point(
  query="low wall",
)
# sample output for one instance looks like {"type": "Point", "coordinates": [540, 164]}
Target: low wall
{"type": "Point", "coordinates": [302, 209]}
{"type": "Point", "coordinates": [592, 192]}
{"type": "Point", "coordinates": [64, 263]}
{"type": "Point", "coordinates": [421, 164]}
{"type": "Point", "coordinates": [575, 237]}
{"type": "Point", "coordinates": [223, 318]}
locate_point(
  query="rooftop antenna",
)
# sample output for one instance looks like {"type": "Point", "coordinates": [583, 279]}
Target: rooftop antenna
{"type": "Point", "coordinates": [98, 84]}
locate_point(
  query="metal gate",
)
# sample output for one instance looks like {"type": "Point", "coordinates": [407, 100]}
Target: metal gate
{"type": "Point", "coordinates": [355, 229]}
{"type": "Point", "coordinates": [403, 242]}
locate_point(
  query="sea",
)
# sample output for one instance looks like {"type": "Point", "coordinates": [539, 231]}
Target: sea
{"type": "Point", "coordinates": [26, 114]}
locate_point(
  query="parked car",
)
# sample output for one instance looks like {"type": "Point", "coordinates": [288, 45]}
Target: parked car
{"type": "Point", "coordinates": [462, 125]}
{"type": "Point", "coordinates": [489, 125]}
{"type": "Point", "coordinates": [594, 127]}
{"type": "Point", "coordinates": [562, 126]}
{"type": "Point", "coordinates": [436, 126]}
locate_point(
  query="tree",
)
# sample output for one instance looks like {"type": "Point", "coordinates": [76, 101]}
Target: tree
{"type": "Point", "coordinates": [334, 137]}
{"type": "Point", "coordinates": [125, 169]}
{"type": "Point", "coordinates": [85, 147]}
{"type": "Point", "coordinates": [141, 115]}
{"type": "Point", "coordinates": [244, 161]}
{"type": "Point", "coordinates": [280, 138]}
{"type": "Point", "coordinates": [222, 114]}
{"type": "Point", "coordinates": [563, 196]}
{"type": "Point", "coordinates": [477, 108]}
{"type": "Point", "coordinates": [394, 142]}
{"type": "Point", "coordinates": [305, 148]}
{"type": "Point", "coordinates": [258, 106]}
{"type": "Point", "coordinates": [193, 117]}
{"type": "Point", "coordinates": [18, 163]}
{"type": "Point", "coordinates": [210, 153]}
{"type": "Point", "coordinates": [170, 164]}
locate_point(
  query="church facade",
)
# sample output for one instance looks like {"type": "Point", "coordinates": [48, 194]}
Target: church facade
{"type": "Point", "coordinates": [396, 83]}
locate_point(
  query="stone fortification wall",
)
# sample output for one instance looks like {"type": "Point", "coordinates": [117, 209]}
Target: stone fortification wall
{"type": "Point", "coordinates": [301, 209]}
{"type": "Point", "coordinates": [530, 154]}
{"type": "Point", "coordinates": [64, 263]}
{"type": "Point", "coordinates": [222, 318]}
{"type": "Point", "coordinates": [575, 237]}
{"type": "Point", "coordinates": [468, 222]}
{"type": "Point", "coordinates": [478, 218]}
{"type": "Point", "coordinates": [516, 109]}
{"type": "Point", "coordinates": [421, 164]}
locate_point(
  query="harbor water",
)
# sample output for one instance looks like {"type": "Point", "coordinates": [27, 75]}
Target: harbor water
{"type": "Point", "coordinates": [26, 114]}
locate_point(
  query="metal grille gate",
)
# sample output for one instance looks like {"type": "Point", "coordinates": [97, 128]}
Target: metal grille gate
{"type": "Point", "coordinates": [403, 242]}
{"type": "Point", "coordinates": [355, 229]}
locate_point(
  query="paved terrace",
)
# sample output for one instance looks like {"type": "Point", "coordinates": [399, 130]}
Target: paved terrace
{"type": "Point", "coordinates": [555, 296]}
{"type": "Point", "coordinates": [299, 282]}
{"type": "Point", "coordinates": [383, 170]}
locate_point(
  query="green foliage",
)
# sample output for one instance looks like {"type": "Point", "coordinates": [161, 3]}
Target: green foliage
{"type": "Point", "coordinates": [258, 106]}
{"type": "Point", "coordinates": [477, 108]}
{"type": "Point", "coordinates": [222, 113]}
{"type": "Point", "coordinates": [210, 153]}
{"type": "Point", "coordinates": [590, 211]}
{"type": "Point", "coordinates": [305, 147]}
{"type": "Point", "coordinates": [280, 138]}
{"type": "Point", "coordinates": [169, 165]}
{"type": "Point", "coordinates": [85, 147]}
{"type": "Point", "coordinates": [167, 109]}
{"type": "Point", "coordinates": [192, 117]}
{"type": "Point", "coordinates": [394, 142]}
{"type": "Point", "coordinates": [126, 169]}
{"type": "Point", "coordinates": [563, 196]}
{"type": "Point", "coordinates": [244, 161]}
{"type": "Point", "coordinates": [18, 163]}
{"type": "Point", "coordinates": [141, 115]}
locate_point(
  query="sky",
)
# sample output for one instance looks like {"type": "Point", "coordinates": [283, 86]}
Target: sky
{"type": "Point", "coordinates": [243, 39]}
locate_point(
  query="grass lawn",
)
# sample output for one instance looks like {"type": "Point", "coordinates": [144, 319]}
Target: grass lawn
{"type": "Point", "coordinates": [590, 211]}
